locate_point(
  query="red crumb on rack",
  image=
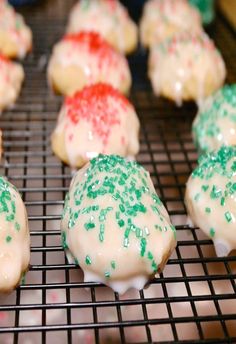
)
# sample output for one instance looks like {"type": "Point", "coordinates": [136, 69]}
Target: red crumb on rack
{"type": "Point", "coordinates": [99, 104]}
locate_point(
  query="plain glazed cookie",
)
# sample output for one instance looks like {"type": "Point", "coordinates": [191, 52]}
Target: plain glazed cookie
{"type": "Point", "coordinates": [107, 17]}
{"type": "Point", "coordinates": [11, 79]}
{"type": "Point", "coordinates": [98, 119]}
{"type": "Point", "coordinates": [15, 35]}
{"type": "Point", "coordinates": [210, 198]}
{"type": "Point", "coordinates": [114, 224]}
{"type": "Point", "coordinates": [14, 237]}
{"type": "Point", "coordinates": [162, 19]}
{"type": "Point", "coordinates": [83, 59]}
{"type": "Point", "coordinates": [186, 67]}
{"type": "Point", "coordinates": [215, 123]}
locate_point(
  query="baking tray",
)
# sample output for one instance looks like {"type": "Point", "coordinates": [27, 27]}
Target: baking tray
{"type": "Point", "coordinates": [193, 300]}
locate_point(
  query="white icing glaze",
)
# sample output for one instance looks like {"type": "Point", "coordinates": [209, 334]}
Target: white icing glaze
{"type": "Point", "coordinates": [109, 18]}
{"type": "Point", "coordinates": [186, 67]}
{"type": "Point", "coordinates": [111, 68]}
{"type": "Point", "coordinates": [215, 122]}
{"type": "Point", "coordinates": [11, 78]}
{"type": "Point", "coordinates": [14, 237]}
{"type": "Point", "coordinates": [83, 141]}
{"type": "Point", "coordinates": [132, 269]}
{"type": "Point", "coordinates": [209, 213]}
{"type": "Point", "coordinates": [13, 32]}
{"type": "Point", "coordinates": [163, 18]}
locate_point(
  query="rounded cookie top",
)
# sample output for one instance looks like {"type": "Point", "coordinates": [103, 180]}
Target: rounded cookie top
{"type": "Point", "coordinates": [122, 229]}
{"type": "Point", "coordinates": [107, 17]}
{"type": "Point", "coordinates": [12, 25]}
{"type": "Point", "coordinates": [94, 105]}
{"type": "Point", "coordinates": [211, 196]}
{"type": "Point", "coordinates": [163, 18]}
{"type": "Point", "coordinates": [14, 236]}
{"type": "Point", "coordinates": [98, 119]}
{"type": "Point", "coordinates": [215, 123]}
{"type": "Point", "coordinates": [186, 66]}
{"type": "Point", "coordinates": [11, 78]}
{"type": "Point", "coordinates": [93, 59]}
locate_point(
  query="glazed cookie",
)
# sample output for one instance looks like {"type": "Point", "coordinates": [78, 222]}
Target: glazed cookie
{"type": "Point", "coordinates": [84, 59]}
{"type": "Point", "coordinates": [15, 35]}
{"type": "Point", "coordinates": [114, 224]}
{"type": "Point", "coordinates": [186, 67]}
{"type": "Point", "coordinates": [215, 123]}
{"type": "Point", "coordinates": [14, 237]}
{"type": "Point", "coordinates": [96, 120]}
{"type": "Point", "coordinates": [11, 79]}
{"type": "Point", "coordinates": [107, 17]}
{"type": "Point", "coordinates": [211, 195]}
{"type": "Point", "coordinates": [162, 19]}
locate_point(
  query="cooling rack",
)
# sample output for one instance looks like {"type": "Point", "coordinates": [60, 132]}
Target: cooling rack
{"type": "Point", "coordinates": [193, 301]}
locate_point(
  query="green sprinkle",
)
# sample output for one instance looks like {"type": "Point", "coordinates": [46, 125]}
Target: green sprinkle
{"type": "Point", "coordinates": [88, 260]}
{"type": "Point", "coordinates": [17, 226]}
{"type": "Point", "coordinates": [8, 238]}
{"type": "Point", "coordinates": [150, 256]}
{"type": "Point", "coordinates": [113, 264]}
{"type": "Point", "coordinates": [121, 223]}
{"type": "Point", "coordinates": [228, 216]}
{"type": "Point", "coordinates": [208, 210]}
{"type": "Point", "coordinates": [212, 232]}
{"type": "Point", "coordinates": [154, 266]}
{"type": "Point", "coordinates": [196, 197]}
{"type": "Point", "coordinates": [89, 225]}
{"type": "Point", "coordinates": [107, 274]}
{"type": "Point", "coordinates": [215, 192]}
{"type": "Point", "coordinates": [222, 201]}
{"type": "Point", "coordinates": [143, 244]}
{"type": "Point", "coordinates": [63, 241]}
{"type": "Point", "coordinates": [205, 187]}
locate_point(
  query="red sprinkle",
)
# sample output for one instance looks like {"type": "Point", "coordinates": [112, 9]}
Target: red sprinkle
{"type": "Point", "coordinates": [4, 59]}
{"type": "Point", "coordinates": [93, 40]}
{"type": "Point", "coordinates": [93, 104]}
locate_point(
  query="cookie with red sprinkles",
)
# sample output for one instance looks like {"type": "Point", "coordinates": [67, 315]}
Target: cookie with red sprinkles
{"type": "Point", "coordinates": [85, 58]}
{"type": "Point", "coordinates": [98, 119]}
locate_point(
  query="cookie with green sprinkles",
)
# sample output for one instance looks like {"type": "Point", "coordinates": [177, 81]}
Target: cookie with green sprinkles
{"type": "Point", "coordinates": [215, 123]}
{"type": "Point", "coordinates": [14, 237]}
{"type": "Point", "coordinates": [211, 195]}
{"type": "Point", "coordinates": [114, 224]}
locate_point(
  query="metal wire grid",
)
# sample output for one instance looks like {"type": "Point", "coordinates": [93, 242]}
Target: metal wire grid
{"type": "Point", "coordinates": [193, 300]}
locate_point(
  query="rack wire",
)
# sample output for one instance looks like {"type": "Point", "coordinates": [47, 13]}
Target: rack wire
{"type": "Point", "coordinates": [193, 301]}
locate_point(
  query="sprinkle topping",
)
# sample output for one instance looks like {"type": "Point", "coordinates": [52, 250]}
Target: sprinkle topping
{"type": "Point", "coordinates": [207, 127]}
{"type": "Point", "coordinates": [92, 40]}
{"type": "Point", "coordinates": [94, 104]}
{"type": "Point", "coordinates": [8, 204]}
{"type": "Point", "coordinates": [126, 183]}
{"type": "Point", "coordinates": [218, 167]}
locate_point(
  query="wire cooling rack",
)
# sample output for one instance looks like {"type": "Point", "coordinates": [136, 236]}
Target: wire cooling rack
{"type": "Point", "coordinates": [193, 301]}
